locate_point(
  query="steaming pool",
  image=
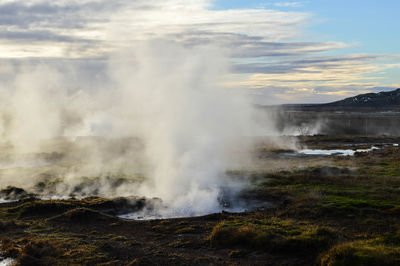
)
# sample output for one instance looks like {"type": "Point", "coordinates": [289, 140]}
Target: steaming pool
{"type": "Point", "coordinates": [144, 208]}
{"type": "Point", "coordinates": [244, 206]}
{"type": "Point", "coordinates": [151, 213]}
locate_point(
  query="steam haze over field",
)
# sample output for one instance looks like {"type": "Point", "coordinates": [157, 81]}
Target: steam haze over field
{"type": "Point", "coordinates": [166, 90]}
{"type": "Point", "coordinates": [199, 132]}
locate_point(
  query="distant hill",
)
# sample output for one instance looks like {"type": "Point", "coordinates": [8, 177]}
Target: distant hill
{"type": "Point", "coordinates": [375, 100]}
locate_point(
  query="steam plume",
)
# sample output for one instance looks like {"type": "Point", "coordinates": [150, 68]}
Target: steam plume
{"type": "Point", "coordinates": [162, 93]}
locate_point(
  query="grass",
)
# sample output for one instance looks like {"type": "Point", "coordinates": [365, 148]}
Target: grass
{"type": "Point", "coordinates": [57, 249]}
{"type": "Point", "coordinates": [41, 208]}
{"type": "Point", "coordinates": [336, 191]}
{"type": "Point", "coordinates": [361, 253]}
{"type": "Point", "coordinates": [271, 234]}
{"type": "Point", "coordinates": [39, 252]}
{"type": "Point", "coordinates": [352, 201]}
{"type": "Point", "coordinates": [362, 203]}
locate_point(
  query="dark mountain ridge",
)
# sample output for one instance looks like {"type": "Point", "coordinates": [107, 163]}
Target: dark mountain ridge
{"type": "Point", "coordinates": [375, 100]}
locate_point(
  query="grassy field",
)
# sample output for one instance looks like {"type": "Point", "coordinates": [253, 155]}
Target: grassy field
{"type": "Point", "coordinates": [328, 210]}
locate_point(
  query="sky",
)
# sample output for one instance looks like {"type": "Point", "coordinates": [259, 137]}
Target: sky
{"type": "Point", "coordinates": [307, 51]}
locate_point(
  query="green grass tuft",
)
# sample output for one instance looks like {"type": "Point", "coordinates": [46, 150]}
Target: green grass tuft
{"type": "Point", "coordinates": [272, 234]}
{"type": "Point", "coordinates": [361, 253]}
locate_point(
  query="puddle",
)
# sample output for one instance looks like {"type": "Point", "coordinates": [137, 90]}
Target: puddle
{"type": "Point", "coordinates": [142, 216]}
{"type": "Point", "coordinates": [7, 201]}
{"type": "Point", "coordinates": [336, 152]}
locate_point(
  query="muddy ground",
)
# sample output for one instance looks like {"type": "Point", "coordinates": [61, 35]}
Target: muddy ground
{"type": "Point", "coordinates": [322, 210]}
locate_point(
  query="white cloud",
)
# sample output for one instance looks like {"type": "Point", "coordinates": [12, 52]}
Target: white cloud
{"type": "Point", "coordinates": [267, 45]}
{"type": "Point", "coordinates": [288, 4]}
{"type": "Point", "coordinates": [102, 25]}
{"type": "Point", "coordinates": [314, 79]}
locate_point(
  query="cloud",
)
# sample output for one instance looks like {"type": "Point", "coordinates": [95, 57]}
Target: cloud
{"type": "Point", "coordinates": [288, 4]}
{"type": "Point", "coordinates": [268, 47]}
{"type": "Point", "coordinates": [313, 79]}
{"type": "Point", "coordinates": [37, 36]}
{"type": "Point", "coordinates": [108, 25]}
{"type": "Point", "coordinates": [310, 65]}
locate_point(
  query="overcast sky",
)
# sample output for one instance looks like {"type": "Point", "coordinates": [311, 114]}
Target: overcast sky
{"type": "Point", "coordinates": [281, 52]}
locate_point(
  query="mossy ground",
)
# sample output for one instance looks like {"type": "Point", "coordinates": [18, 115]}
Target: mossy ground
{"type": "Point", "coordinates": [326, 211]}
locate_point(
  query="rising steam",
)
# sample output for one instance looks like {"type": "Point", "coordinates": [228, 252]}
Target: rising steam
{"type": "Point", "coordinates": [160, 117]}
